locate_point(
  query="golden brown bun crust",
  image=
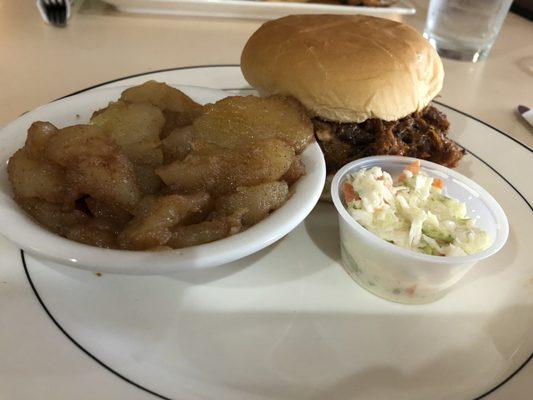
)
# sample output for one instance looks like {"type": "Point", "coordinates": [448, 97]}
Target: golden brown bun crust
{"type": "Point", "coordinates": [344, 68]}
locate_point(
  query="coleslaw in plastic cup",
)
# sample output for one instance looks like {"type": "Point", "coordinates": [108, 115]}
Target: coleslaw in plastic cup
{"type": "Point", "coordinates": [403, 275]}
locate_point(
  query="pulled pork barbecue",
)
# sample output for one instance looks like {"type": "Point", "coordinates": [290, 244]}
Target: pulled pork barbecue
{"type": "Point", "coordinates": [421, 134]}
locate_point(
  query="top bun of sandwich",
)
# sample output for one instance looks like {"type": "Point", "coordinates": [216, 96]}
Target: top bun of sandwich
{"type": "Point", "coordinates": [344, 68]}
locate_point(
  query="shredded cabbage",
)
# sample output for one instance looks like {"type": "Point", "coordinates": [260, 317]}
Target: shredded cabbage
{"type": "Point", "coordinates": [414, 213]}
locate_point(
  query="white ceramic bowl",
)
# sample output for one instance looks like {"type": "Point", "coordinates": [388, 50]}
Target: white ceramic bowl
{"type": "Point", "coordinates": [21, 229]}
{"type": "Point", "coordinates": [402, 275]}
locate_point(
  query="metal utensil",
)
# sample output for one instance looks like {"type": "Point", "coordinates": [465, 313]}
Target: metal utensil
{"type": "Point", "coordinates": [55, 12]}
{"type": "Point", "coordinates": [526, 113]}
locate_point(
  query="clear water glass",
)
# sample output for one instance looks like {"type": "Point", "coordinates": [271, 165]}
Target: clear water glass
{"type": "Point", "coordinates": [465, 29]}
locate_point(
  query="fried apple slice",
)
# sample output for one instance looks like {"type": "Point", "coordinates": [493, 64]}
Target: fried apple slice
{"type": "Point", "coordinates": [258, 201]}
{"type": "Point", "coordinates": [220, 227]}
{"type": "Point", "coordinates": [108, 212]}
{"type": "Point", "coordinates": [154, 217]}
{"type": "Point", "coordinates": [95, 166]}
{"type": "Point", "coordinates": [178, 119]}
{"type": "Point", "coordinates": [161, 95]}
{"type": "Point", "coordinates": [52, 216]}
{"type": "Point", "coordinates": [178, 109]}
{"type": "Point", "coordinates": [73, 143]}
{"type": "Point", "coordinates": [36, 178]}
{"type": "Point", "coordinates": [234, 121]}
{"type": "Point", "coordinates": [98, 232]}
{"type": "Point", "coordinates": [295, 171]}
{"type": "Point", "coordinates": [221, 171]}
{"type": "Point", "coordinates": [177, 144]}
{"type": "Point", "coordinates": [38, 135]}
{"type": "Point", "coordinates": [149, 181]}
{"type": "Point", "coordinates": [135, 127]}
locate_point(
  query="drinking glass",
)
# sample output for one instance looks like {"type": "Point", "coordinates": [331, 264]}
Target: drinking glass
{"type": "Point", "coordinates": [465, 29]}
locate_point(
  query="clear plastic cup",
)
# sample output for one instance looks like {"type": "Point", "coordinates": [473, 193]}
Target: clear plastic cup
{"type": "Point", "coordinates": [403, 275]}
{"type": "Point", "coordinates": [465, 29]}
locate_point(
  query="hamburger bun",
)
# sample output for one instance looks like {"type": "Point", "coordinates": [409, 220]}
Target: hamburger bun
{"type": "Point", "coordinates": [344, 68]}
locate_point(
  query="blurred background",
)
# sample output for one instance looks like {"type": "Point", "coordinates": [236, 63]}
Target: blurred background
{"type": "Point", "coordinates": [101, 41]}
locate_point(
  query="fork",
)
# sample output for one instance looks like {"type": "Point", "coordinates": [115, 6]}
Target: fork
{"type": "Point", "coordinates": [56, 11]}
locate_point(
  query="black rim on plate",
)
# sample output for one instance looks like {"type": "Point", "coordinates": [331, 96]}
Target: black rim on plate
{"type": "Point", "coordinates": [139, 386]}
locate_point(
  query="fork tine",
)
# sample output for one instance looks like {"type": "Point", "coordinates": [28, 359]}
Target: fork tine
{"type": "Point", "coordinates": [52, 15]}
{"type": "Point", "coordinates": [63, 17]}
{"type": "Point", "coordinates": [55, 16]}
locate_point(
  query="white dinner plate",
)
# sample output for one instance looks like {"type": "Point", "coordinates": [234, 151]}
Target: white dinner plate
{"type": "Point", "coordinates": [254, 9]}
{"type": "Point", "coordinates": [288, 322]}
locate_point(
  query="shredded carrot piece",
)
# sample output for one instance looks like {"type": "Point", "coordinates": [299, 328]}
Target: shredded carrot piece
{"type": "Point", "coordinates": [410, 290]}
{"type": "Point", "coordinates": [348, 193]}
{"type": "Point", "coordinates": [438, 183]}
{"type": "Point", "coordinates": [402, 177]}
{"type": "Point", "coordinates": [414, 167]}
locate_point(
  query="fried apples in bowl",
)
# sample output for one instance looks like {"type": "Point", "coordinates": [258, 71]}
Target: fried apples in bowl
{"type": "Point", "coordinates": [151, 179]}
